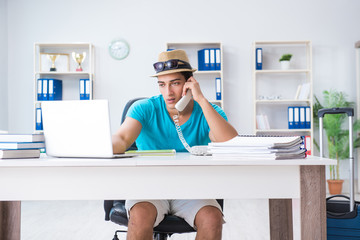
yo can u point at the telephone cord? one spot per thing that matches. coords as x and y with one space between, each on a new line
180 134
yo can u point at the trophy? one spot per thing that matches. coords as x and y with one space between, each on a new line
52 58
79 58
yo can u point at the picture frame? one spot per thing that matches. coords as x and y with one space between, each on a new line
62 62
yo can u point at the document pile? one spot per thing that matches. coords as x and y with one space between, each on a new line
248 147
21 145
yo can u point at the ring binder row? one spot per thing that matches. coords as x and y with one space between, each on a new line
50 89
299 117
84 89
209 59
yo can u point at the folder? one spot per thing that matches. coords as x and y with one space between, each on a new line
307 117
258 58
291 117
308 145
212 58
296 117
38 120
302 117
218 88
204 59
39 89
54 89
45 89
82 89
217 59
87 89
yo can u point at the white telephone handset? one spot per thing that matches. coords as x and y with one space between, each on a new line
184 101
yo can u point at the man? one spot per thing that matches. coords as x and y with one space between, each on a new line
151 123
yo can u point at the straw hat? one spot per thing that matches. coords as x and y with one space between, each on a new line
174 54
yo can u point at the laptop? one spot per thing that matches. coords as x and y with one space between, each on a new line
78 129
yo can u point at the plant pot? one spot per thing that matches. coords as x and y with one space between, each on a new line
335 186
285 65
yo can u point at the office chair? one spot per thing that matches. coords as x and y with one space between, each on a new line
115 209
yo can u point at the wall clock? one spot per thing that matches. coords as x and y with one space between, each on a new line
119 49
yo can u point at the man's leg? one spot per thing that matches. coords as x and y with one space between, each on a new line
209 221
141 221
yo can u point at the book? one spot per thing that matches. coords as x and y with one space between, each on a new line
22 138
22 145
164 152
304 92
24 153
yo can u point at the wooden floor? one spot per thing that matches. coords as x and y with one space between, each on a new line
245 219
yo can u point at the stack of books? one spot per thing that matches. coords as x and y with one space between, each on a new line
21 145
254 147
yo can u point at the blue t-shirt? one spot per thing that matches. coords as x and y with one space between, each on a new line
158 129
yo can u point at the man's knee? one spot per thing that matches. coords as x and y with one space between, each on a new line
209 216
143 213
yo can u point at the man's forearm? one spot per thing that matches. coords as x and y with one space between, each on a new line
221 130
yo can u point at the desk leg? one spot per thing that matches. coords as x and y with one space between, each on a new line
281 222
10 220
313 203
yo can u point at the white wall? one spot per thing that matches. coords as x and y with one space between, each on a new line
148 25
3 66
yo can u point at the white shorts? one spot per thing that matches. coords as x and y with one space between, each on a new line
186 209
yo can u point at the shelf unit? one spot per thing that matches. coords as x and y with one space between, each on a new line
206 79
274 89
66 69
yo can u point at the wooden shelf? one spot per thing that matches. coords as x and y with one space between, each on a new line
283 101
283 71
64 73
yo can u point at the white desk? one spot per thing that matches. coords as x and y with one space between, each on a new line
182 176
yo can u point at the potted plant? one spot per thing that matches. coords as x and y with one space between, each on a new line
337 137
285 61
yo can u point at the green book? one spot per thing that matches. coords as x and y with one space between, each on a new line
163 152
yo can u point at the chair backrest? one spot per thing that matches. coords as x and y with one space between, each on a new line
126 108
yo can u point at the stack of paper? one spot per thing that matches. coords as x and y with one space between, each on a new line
259 148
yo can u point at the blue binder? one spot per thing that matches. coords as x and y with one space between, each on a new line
217 59
258 58
45 89
38 120
218 88
82 89
307 117
39 89
204 59
54 89
291 117
302 117
212 58
296 117
87 89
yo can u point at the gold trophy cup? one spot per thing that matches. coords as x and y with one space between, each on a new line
79 58
52 58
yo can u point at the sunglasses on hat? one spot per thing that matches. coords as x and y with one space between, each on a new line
171 64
